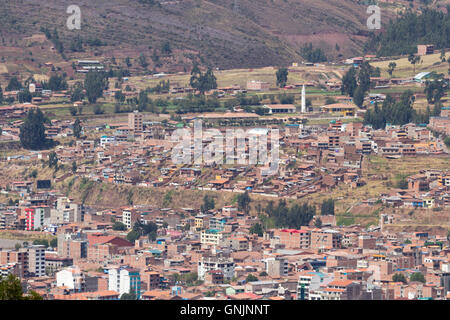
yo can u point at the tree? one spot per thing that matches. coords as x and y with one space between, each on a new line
251 278
349 83
55 83
74 167
202 82
284 217
166 48
396 112
77 92
282 77
94 83
313 55
53 160
143 61
18 246
263 274
243 201
257 229
13 85
391 68
73 111
11 289
327 208
417 276
34 173
128 62
24 96
365 72
442 56
358 96
132 236
119 96
143 101
32 131
318 223
413 59
1 95
434 90
54 243
208 204
77 128
76 45
399 277
119 226
128 296
447 141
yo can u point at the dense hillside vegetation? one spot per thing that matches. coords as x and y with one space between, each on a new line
404 34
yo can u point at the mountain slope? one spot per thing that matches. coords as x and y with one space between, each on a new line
222 33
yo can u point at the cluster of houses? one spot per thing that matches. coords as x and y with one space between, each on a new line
214 255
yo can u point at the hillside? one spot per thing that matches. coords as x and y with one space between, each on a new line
224 34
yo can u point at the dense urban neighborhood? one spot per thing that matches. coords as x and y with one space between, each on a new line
317 180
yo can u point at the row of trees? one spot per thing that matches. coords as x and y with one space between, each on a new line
282 216
293 217
395 112
32 132
140 229
415 277
202 81
313 55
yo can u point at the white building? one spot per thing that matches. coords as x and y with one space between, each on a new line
209 264
72 278
125 280
308 283
104 140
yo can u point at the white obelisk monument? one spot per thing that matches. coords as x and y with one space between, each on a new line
303 100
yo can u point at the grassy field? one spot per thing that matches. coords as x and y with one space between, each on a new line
404 68
3 68
241 76
25 235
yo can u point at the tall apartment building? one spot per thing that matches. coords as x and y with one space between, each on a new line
36 217
129 217
209 264
69 211
325 239
136 121
36 260
293 238
152 279
73 245
125 280
212 236
277 267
